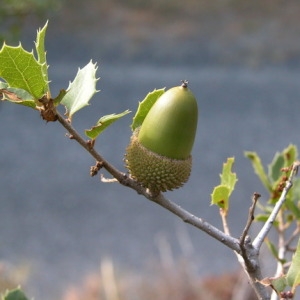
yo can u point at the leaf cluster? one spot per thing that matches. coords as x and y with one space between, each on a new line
26 82
274 181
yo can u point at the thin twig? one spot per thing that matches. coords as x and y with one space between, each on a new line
255 197
223 215
191 219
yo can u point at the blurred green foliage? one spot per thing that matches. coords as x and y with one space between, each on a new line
15 13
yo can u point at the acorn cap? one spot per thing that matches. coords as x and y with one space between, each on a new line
155 171
170 126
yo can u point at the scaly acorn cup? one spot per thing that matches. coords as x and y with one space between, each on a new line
159 153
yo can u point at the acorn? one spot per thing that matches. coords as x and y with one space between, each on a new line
159 153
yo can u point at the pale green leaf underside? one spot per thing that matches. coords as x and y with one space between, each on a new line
81 90
103 123
21 70
144 107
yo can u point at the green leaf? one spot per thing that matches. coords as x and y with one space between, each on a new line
275 167
290 155
59 97
293 274
273 250
41 53
103 123
259 169
279 283
228 178
144 107
220 195
16 294
81 90
21 70
296 190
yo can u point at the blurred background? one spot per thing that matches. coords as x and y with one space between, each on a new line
65 235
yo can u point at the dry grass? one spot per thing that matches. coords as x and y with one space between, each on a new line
162 284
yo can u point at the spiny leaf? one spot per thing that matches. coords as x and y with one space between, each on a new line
259 169
220 195
21 70
144 107
103 123
16 294
81 90
41 53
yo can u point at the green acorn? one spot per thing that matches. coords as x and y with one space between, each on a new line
159 153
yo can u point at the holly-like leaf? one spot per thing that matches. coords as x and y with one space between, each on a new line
16 294
21 70
103 123
221 194
41 53
144 107
81 90
259 169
